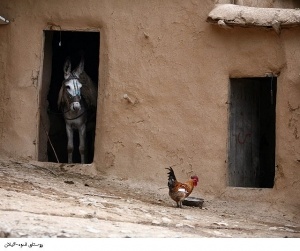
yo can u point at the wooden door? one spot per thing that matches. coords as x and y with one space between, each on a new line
244 129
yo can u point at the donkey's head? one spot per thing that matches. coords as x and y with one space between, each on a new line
71 86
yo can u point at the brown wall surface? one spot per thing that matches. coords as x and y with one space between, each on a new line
175 67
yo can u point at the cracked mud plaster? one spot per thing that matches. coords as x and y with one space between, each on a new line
109 159
293 121
35 78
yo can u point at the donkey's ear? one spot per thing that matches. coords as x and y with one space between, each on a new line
80 68
67 68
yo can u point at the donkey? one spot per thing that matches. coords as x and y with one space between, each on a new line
76 94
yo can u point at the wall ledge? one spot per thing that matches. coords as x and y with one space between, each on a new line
229 15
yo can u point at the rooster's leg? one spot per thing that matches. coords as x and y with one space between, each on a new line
179 204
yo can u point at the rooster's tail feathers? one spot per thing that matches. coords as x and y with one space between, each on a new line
172 177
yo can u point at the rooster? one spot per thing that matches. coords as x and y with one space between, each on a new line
179 191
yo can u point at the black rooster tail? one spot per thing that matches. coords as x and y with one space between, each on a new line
172 177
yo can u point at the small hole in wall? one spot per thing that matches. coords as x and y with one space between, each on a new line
58 45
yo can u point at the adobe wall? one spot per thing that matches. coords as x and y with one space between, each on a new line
175 67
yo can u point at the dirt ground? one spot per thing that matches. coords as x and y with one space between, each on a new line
59 200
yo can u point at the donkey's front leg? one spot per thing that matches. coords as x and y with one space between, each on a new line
82 134
70 143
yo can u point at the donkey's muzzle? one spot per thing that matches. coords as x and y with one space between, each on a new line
75 106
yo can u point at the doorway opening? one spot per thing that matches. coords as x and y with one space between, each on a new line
59 45
252 118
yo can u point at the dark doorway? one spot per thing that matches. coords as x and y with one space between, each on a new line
63 44
252 132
